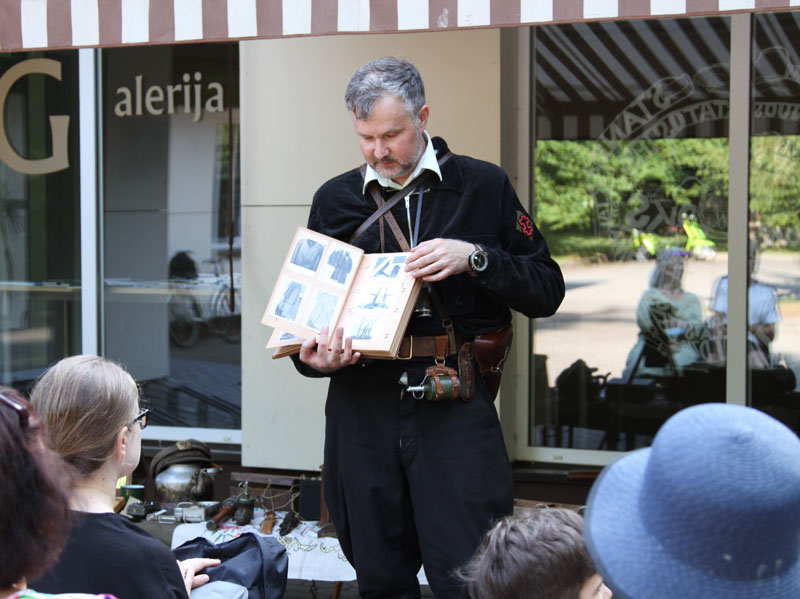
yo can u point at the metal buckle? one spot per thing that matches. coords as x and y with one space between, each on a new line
410 349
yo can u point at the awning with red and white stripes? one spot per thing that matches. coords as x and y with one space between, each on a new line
59 24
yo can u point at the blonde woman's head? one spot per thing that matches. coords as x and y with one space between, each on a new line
85 401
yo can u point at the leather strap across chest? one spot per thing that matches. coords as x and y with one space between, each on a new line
384 210
385 206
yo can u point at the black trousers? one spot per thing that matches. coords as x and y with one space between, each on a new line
410 482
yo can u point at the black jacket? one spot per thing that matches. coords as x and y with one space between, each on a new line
106 553
474 202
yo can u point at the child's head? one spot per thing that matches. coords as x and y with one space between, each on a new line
538 554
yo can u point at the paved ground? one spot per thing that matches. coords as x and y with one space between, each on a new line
303 589
597 321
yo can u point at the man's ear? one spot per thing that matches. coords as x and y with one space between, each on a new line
422 116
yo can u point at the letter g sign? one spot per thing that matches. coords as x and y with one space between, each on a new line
58 124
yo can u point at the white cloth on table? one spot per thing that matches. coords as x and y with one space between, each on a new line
310 557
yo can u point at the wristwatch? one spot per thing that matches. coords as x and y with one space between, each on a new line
478 260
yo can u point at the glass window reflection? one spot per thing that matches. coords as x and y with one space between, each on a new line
773 327
630 188
172 245
40 287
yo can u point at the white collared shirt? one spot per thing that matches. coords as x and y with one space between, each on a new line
428 161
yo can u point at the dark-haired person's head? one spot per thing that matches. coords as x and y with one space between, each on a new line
34 504
537 554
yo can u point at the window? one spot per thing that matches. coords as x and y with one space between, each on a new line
171 243
630 190
39 214
773 326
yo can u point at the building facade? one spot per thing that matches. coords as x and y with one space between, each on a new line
155 163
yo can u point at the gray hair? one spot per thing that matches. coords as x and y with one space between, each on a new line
381 77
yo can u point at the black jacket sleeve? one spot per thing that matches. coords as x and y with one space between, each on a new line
521 274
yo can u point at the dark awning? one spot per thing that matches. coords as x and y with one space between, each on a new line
659 78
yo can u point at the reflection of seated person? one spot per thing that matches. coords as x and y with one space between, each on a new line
762 316
182 266
670 320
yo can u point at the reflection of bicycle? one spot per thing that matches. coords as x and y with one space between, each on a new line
184 319
225 319
204 302
199 299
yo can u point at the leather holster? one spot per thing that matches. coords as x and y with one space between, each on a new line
466 371
491 350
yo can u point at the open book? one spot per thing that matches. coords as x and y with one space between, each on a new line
326 281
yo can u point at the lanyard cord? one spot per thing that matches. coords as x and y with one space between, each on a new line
413 237
408 218
419 216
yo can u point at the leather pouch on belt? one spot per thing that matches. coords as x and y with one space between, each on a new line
491 351
466 371
445 381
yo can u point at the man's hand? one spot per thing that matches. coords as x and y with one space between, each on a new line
327 358
190 568
437 259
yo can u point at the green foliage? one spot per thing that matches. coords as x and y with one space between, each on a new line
585 246
774 181
565 245
571 175
654 181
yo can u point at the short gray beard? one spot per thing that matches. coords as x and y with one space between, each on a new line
405 168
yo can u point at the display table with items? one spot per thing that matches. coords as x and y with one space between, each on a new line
311 557
288 509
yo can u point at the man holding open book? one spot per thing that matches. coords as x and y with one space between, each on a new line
415 464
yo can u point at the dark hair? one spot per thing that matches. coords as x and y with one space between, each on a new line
381 77
34 504
538 554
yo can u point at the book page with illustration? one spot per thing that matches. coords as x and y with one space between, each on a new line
325 281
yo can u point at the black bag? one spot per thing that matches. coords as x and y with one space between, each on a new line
258 563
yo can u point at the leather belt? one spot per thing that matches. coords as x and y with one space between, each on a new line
424 347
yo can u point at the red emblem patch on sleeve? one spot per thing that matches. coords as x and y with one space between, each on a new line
525 225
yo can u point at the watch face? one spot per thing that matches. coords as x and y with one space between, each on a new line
478 260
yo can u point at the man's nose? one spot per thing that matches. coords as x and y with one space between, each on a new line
381 149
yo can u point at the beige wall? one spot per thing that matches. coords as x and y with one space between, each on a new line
296 134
